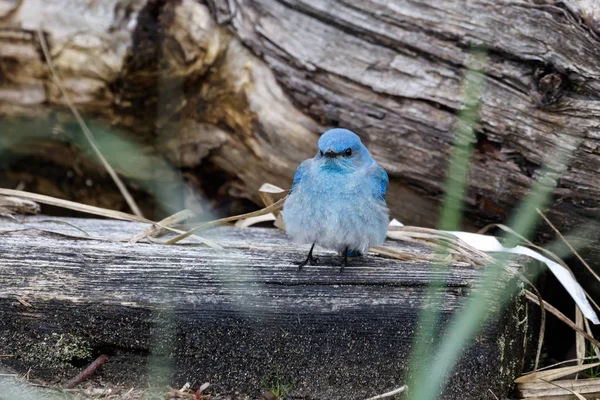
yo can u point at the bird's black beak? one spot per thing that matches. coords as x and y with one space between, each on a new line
330 154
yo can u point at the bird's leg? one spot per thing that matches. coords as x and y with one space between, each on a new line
310 259
345 262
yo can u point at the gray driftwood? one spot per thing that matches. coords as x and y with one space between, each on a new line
242 88
233 317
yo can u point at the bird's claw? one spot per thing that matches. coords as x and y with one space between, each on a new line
309 260
344 262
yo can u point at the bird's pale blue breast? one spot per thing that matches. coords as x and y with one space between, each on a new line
376 175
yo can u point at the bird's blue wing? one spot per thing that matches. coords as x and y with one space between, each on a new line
299 173
381 180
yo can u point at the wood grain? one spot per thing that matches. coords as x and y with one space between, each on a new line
245 87
234 316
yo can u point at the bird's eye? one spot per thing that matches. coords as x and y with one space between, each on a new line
348 152
321 153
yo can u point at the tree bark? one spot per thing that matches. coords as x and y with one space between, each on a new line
232 94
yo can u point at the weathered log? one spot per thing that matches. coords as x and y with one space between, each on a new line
222 96
183 86
236 316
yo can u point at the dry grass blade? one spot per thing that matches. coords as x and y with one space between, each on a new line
88 134
272 208
38 231
548 253
59 222
550 308
157 229
15 205
591 300
579 339
437 237
71 205
589 331
102 212
574 251
559 363
556 373
403 255
580 397
434 238
270 188
564 265
545 251
529 243
267 192
538 352
580 321
246 222
426 231
560 235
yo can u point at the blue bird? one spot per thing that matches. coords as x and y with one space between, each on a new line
337 199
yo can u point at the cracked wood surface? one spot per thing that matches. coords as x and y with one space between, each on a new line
394 73
234 94
232 316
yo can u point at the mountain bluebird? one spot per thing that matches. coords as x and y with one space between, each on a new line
337 199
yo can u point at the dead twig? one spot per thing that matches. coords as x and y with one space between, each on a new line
24 302
493 394
98 362
389 394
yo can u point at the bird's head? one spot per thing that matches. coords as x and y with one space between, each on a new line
342 149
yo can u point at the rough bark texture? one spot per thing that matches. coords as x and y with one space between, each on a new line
229 94
234 317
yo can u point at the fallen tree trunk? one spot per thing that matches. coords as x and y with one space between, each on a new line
235 317
232 94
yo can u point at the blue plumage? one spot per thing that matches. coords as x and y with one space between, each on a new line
337 198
